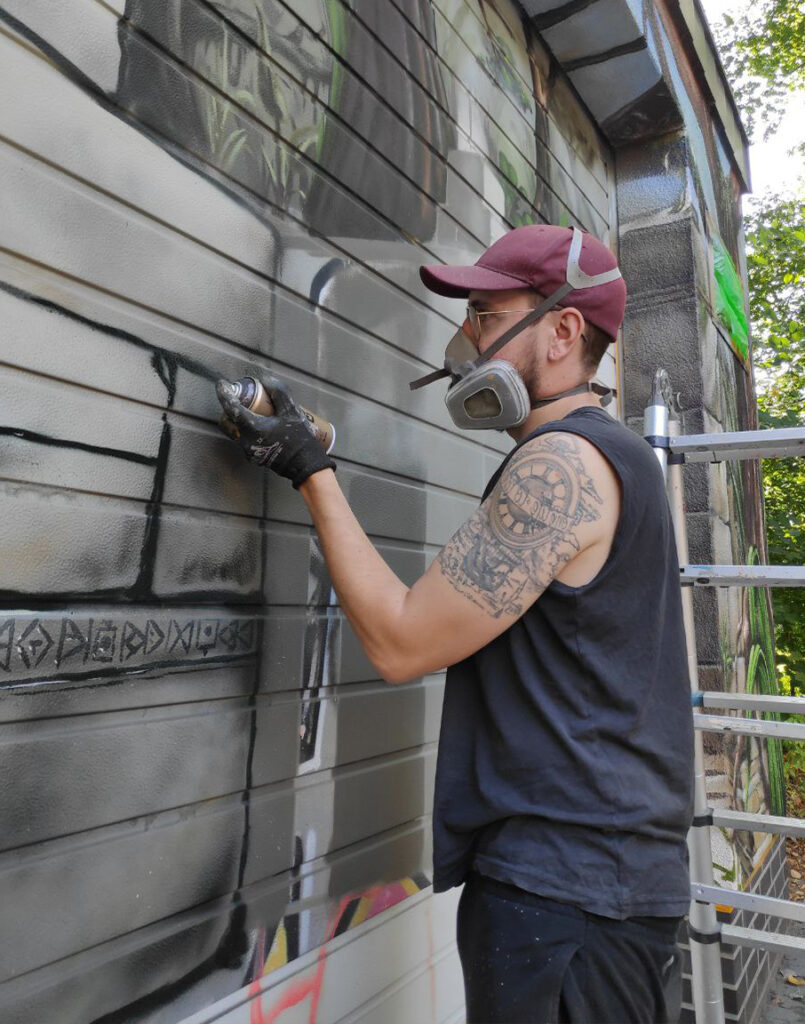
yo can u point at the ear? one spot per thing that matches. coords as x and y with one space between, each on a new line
568 327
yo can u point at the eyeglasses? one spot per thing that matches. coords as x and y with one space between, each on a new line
474 316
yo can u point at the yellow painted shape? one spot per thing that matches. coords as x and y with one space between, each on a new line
278 954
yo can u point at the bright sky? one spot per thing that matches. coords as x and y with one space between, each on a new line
771 167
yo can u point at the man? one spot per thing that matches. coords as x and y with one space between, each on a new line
564 776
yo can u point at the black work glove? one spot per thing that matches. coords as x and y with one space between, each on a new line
285 441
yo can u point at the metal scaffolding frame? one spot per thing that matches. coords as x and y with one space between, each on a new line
661 430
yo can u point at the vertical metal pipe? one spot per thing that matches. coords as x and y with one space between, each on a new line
655 424
708 992
656 416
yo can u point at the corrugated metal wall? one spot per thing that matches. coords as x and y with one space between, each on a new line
201 777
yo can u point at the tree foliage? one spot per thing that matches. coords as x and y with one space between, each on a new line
763 52
776 264
762 47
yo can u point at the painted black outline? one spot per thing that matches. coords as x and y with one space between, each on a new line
94 449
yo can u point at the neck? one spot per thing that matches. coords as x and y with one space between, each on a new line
554 411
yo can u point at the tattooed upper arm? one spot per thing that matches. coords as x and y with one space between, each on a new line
529 527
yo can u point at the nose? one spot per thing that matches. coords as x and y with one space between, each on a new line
468 328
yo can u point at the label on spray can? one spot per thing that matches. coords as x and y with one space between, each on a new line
253 396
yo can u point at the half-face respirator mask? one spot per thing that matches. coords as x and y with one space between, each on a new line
489 394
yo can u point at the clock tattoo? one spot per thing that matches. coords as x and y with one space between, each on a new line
540 499
522 535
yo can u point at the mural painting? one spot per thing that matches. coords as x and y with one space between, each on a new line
216 784
242 184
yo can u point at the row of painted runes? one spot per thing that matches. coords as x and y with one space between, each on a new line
71 642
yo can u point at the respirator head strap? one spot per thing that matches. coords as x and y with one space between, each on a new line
604 393
429 378
527 321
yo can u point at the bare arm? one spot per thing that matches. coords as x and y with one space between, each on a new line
545 511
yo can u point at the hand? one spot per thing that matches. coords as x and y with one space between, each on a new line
285 441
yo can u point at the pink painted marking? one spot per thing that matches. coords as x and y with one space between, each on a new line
301 988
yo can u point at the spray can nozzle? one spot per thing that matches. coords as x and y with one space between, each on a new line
251 394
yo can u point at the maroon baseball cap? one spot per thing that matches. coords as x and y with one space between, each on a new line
539 256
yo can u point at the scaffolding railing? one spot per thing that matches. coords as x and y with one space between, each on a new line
706 933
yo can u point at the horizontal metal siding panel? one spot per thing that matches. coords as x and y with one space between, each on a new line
395 192
197 21
387 80
83 772
374 958
87 547
162 955
92 548
80 32
428 992
107 262
393 206
385 70
131 167
390 176
54 697
387 76
65 437
71 663
129 354
226 755
140 674
95 886
501 101
44 342
463 84
78 892
130 254
192 449
58 542
117 973
247 177
43 338
527 66
551 188
99 642
63 446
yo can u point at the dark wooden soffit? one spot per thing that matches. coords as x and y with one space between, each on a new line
613 53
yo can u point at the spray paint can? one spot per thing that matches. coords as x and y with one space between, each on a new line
253 396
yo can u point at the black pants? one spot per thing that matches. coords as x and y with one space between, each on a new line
530 960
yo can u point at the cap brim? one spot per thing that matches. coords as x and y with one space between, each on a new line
458 282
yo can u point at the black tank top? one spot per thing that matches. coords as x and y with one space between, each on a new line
565 761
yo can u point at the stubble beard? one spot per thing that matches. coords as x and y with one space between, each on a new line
531 375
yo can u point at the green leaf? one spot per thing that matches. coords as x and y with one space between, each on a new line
234 144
